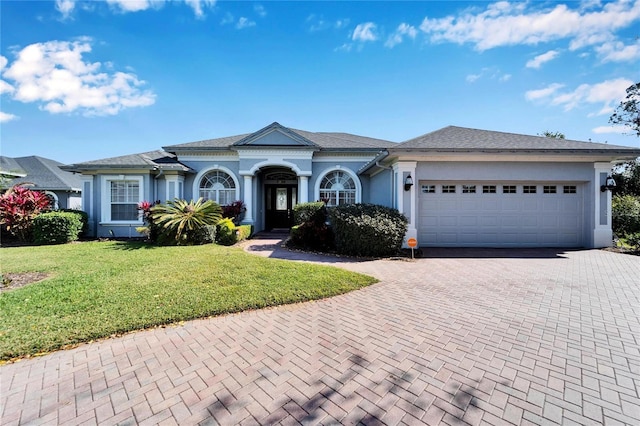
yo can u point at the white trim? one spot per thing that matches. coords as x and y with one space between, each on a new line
275 162
338 168
56 201
177 180
209 157
201 173
105 195
276 154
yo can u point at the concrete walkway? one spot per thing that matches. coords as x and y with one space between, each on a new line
462 336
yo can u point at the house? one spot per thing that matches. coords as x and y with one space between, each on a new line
457 186
45 175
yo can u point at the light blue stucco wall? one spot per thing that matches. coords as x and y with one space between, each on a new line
382 192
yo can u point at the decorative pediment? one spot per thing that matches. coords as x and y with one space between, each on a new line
274 135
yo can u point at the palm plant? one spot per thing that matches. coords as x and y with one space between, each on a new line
180 219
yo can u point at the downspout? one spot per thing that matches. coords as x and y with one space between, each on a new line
155 186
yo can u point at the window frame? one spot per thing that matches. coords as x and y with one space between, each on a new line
201 176
106 197
357 190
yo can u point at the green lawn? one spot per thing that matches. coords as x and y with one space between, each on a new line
98 289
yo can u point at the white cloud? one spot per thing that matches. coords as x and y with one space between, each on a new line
55 75
133 5
244 23
471 78
533 95
492 73
610 129
365 32
196 5
541 59
344 48
403 30
619 52
6 87
4 117
65 7
319 23
260 10
228 19
607 94
504 24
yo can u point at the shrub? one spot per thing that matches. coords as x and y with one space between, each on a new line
56 227
234 211
84 219
367 229
227 233
633 240
311 231
310 212
625 211
181 222
18 207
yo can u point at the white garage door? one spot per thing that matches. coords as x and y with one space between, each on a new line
488 214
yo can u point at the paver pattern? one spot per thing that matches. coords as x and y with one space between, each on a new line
459 337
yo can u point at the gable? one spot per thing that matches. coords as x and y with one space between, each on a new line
275 135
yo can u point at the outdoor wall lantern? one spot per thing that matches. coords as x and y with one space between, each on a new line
609 184
408 182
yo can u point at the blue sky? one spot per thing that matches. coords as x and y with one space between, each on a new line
84 80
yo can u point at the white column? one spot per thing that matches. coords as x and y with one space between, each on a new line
303 189
406 200
602 232
248 198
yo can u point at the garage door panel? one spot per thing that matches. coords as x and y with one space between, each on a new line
501 219
468 221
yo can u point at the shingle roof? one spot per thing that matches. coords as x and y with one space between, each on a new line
323 140
147 160
43 173
454 138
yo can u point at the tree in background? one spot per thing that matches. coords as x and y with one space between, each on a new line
553 135
628 112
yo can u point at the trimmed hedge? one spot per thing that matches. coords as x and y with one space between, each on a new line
367 229
84 218
56 227
227 233
310 212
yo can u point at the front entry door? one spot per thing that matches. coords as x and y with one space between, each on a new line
280 200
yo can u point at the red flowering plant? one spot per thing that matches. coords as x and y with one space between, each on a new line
18 207
150 229
234 211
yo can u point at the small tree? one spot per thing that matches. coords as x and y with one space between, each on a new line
184 221
552 135
628 112
627 178
18 207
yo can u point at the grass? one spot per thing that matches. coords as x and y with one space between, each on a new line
100 289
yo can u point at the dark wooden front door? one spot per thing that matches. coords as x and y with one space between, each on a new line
280 200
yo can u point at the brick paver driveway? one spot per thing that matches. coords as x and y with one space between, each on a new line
464 336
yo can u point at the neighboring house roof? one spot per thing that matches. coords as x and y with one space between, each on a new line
301 138
43 173
454 138
152 160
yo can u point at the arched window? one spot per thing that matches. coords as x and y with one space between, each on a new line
337 188
219 187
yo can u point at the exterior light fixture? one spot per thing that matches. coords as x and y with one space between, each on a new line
609 184
408 182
